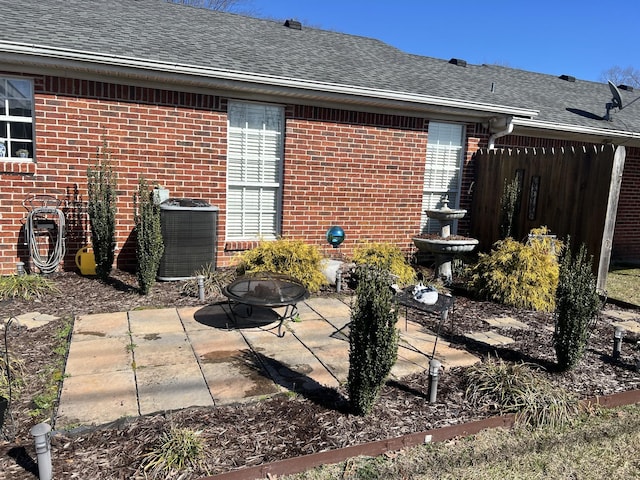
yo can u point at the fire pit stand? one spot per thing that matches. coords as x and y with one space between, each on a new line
268 290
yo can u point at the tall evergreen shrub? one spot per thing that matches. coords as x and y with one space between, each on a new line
101 207
149 246
373 342
577 305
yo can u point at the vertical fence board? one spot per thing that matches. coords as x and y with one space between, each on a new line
577 195
619 156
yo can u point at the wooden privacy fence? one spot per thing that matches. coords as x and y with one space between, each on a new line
571 191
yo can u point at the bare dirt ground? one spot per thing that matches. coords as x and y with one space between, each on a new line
285 425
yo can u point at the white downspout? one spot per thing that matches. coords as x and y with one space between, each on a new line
501 133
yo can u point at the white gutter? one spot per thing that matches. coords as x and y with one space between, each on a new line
39 53
578 129
500 133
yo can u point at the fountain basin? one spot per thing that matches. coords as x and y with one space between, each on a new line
444 214
445 245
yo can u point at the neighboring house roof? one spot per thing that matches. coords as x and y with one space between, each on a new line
162 43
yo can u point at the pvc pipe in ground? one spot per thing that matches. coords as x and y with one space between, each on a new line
40 433
434 372
618 333
201 287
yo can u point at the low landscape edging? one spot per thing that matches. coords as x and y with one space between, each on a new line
290 466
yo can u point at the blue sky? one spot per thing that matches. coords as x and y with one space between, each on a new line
578 38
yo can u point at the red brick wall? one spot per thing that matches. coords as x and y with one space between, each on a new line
361 171
173 139
626 240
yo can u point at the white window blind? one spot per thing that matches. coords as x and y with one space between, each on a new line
443 171
254 170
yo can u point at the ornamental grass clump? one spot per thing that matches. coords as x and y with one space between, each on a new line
295 258
149 246
519 275
385 256
213 281
373 338
502 388
27 287
577 307
180 451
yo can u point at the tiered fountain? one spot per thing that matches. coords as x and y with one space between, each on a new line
445 246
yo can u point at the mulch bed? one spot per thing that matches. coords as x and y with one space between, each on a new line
286 425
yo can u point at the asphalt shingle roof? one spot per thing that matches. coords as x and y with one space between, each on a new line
154 30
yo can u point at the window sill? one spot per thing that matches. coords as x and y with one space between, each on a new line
17 166
240 245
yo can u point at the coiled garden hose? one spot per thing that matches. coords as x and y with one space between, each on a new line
48 263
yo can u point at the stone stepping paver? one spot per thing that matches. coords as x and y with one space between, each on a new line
89 355
96 399
489 338
629 326
171 387
101 325
453 357
506 322
620 315
288 364
151 350
31 320
334 310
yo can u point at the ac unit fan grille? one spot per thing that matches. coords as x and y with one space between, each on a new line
189 240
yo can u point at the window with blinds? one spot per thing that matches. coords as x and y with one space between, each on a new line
16 118
443 171
254 170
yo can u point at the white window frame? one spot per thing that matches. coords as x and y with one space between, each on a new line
443 171
14 91
254 171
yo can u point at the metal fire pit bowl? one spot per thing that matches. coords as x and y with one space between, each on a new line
269 290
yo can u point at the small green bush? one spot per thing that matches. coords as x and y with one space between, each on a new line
27 287
577 306
101 208
149 246
386 256
517 388
517 274
288 257
373 338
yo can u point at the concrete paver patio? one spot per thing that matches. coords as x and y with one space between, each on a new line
145 361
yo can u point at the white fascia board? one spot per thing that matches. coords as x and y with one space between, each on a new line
576 129
116 63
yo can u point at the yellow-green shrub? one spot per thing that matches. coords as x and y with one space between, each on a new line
289 257
385 256
519 275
